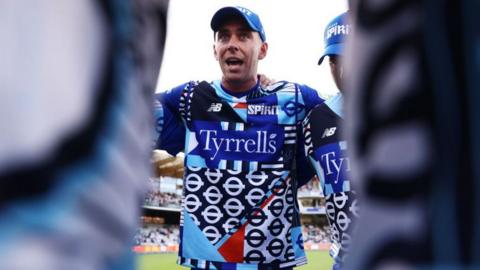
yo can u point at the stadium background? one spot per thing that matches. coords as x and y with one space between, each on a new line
156 240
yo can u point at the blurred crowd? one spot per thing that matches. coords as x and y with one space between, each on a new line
310 189
315 234
163 199
168 235
157 235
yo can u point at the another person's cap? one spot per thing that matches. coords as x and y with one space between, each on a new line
225 13
335 33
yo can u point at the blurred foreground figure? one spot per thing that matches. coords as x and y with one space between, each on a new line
76 111
413 122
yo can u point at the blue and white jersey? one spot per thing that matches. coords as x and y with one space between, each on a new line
324 147
327 153
239 199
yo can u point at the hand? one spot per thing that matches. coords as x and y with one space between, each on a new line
165 164
265 81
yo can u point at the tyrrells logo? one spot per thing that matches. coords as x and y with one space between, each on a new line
220 142
334 164
261 109
217 142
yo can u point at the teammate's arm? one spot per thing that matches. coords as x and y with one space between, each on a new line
170 128
304 171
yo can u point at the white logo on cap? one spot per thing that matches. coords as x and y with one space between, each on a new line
338 29
246 11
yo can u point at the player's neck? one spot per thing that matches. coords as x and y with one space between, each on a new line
239 86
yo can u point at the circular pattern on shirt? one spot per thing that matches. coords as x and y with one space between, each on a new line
230 224
354 209
213 175
192 203
340 199
194 169
193 182
255 238
212 195
335 233
289 198
291 108
330 210
256 178
275 247
289 213
234 207
289 254
212 234
255 196
257 217
343 221
212 214
276 227
299 241
233 186
255 257
235 172
276 207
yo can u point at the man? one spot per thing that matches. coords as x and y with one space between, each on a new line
327 150
241 156
76 115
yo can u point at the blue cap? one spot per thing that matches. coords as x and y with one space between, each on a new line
249 16
335 33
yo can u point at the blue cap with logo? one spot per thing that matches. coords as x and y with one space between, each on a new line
249 16
335 34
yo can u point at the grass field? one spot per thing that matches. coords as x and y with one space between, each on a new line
317 260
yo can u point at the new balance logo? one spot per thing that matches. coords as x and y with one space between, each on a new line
215 107
329 132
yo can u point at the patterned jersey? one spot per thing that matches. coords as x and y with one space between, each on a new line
239 199
327 154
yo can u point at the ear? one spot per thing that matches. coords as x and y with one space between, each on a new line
263 51
215 52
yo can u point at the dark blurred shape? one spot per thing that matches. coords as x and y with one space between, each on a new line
77 105
414 127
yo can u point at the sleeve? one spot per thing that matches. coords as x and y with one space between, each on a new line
168 123
310 97
304 170
308 148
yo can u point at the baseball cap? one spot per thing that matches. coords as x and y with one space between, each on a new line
249 16
334 36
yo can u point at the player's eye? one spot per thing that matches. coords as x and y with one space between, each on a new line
222 37
243 36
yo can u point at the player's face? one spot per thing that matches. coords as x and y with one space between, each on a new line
238 49
336 68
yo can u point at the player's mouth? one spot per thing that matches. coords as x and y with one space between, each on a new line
233 61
